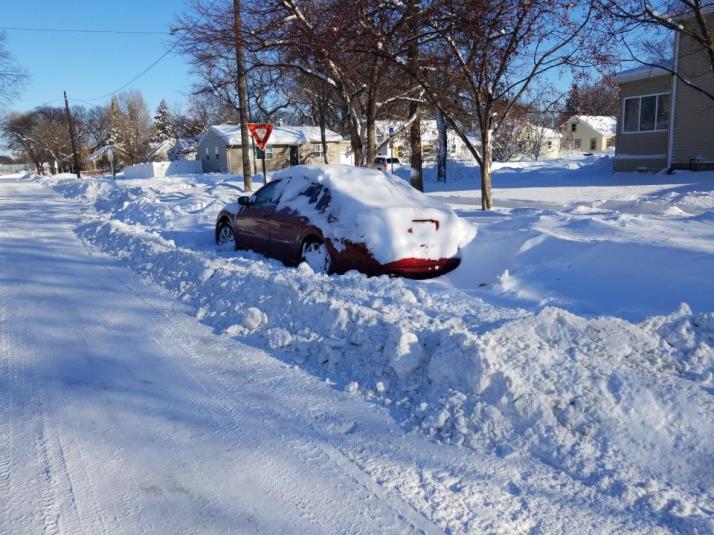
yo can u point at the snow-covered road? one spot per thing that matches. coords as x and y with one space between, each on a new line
129 407
118 414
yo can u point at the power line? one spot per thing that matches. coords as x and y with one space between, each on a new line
127 84
77 30
204 13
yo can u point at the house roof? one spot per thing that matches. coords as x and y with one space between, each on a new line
602 124
548 133
642 72
179 146
281 135
98 153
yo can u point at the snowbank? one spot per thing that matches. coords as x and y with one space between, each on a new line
393 219
160 169
622 406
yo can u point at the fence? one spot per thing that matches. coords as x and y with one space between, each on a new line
160 169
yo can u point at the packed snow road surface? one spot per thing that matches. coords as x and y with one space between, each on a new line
451 405
119 414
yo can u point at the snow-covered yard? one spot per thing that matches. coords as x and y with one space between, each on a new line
569 359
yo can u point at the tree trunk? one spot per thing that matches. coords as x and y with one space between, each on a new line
417 178
487 160
242 99
443 141
356 141
323 138
371 139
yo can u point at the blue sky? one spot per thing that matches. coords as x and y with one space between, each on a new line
90 65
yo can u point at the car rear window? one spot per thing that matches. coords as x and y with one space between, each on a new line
318 195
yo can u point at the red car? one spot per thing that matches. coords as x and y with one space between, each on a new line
303 230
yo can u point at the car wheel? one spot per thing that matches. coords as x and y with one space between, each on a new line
316 255
225 237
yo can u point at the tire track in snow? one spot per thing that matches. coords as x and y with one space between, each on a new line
390 510
6 439
379 503
47 480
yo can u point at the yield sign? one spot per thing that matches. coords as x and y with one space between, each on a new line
261 133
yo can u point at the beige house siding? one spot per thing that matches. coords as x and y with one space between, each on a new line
694 112
281 157
641 150
212 163
229 159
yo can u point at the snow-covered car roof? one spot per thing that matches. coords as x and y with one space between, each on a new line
394 220
281 135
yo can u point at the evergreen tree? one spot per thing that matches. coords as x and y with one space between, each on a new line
117 124
573 103
163 123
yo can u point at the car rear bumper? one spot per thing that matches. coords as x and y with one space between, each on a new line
420 268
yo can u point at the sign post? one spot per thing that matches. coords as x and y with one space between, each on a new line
391 147
261 134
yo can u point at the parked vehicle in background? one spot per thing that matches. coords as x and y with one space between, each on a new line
384 163
338 218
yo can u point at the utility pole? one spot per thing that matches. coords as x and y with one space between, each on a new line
70 125
242 98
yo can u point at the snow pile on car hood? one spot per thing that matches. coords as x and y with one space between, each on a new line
391 218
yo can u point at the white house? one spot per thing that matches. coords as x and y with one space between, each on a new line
589 133
456 148
172 150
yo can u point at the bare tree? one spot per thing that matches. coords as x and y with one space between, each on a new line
41 136
12 76
690 20
489 53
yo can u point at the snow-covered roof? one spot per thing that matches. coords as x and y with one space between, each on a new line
640 73
602 124
281 135
101 151
178 146
548 133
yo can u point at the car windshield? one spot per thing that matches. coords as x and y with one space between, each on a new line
266 194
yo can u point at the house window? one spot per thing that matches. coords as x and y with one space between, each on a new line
573 127
611 142
317 149
647 113
268 152
208 156
549 145
217 153
578 143
593 143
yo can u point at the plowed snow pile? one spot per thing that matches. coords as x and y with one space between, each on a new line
625 407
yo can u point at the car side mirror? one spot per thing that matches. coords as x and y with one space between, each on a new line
244 201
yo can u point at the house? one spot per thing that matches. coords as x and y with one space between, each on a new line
664 122
220 148
589 133
172 150
456 148
546 140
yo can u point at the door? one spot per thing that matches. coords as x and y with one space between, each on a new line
294 156
253 222
286 226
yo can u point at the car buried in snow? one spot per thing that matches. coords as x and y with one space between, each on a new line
340 218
